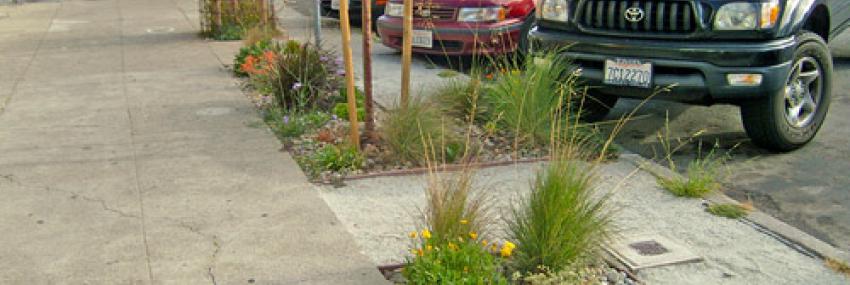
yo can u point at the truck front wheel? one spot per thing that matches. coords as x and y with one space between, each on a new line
790 118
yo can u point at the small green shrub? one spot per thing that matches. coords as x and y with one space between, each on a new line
531 102
298 76
255 50
292 125
407 131
702 178
732 211
338 158
341 107
462 261
560 223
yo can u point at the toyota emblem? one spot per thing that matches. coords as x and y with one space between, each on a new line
634 14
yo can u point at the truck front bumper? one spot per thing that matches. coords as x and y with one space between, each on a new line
697 70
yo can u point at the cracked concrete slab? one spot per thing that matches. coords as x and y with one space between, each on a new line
129 157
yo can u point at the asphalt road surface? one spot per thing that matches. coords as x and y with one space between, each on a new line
808 188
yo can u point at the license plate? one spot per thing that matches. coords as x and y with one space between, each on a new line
423 38
628 72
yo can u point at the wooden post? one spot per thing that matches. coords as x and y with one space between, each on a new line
406 52
367 66
218 15
345 26
263 14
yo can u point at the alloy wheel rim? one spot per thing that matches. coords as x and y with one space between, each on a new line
802 92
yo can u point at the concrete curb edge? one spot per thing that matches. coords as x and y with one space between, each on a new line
785 233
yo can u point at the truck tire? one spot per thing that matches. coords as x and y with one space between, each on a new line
596 106
790 118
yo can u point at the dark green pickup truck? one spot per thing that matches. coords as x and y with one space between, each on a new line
770 57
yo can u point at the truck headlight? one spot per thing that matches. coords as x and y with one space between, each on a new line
741 16
554 10
394 9
482 14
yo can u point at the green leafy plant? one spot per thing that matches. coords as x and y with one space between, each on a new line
406 132
466 260
338 158
731 211
560 223
341 107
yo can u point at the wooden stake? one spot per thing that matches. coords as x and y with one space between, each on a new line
218 15
345 26
406 52
367 66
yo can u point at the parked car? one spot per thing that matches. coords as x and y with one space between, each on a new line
770 57
330 8
461 27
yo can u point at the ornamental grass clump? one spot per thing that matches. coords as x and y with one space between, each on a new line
405 129
528 99
453 247
561 223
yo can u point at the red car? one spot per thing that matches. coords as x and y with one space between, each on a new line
461 27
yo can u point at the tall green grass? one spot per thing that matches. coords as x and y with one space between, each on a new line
530 98
561 223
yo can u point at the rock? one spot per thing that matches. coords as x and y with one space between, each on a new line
614 277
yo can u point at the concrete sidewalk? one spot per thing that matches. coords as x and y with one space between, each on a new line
127 156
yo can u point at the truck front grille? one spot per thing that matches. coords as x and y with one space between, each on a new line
660 17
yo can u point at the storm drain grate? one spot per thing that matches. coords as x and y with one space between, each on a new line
638 252
649 247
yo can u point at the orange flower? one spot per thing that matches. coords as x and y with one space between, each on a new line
248 66
269 56
489 76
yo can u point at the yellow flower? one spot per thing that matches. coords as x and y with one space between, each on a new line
460 239
484 242
473 235
426 234
419 252
463 222
453 246
412 234
507 249
429 248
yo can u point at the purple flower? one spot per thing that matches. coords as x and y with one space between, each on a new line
340 72
296 86
338 60
285 120
324 58
334 117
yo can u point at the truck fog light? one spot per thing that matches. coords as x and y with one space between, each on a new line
744 79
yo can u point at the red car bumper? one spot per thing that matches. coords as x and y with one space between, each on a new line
456 38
